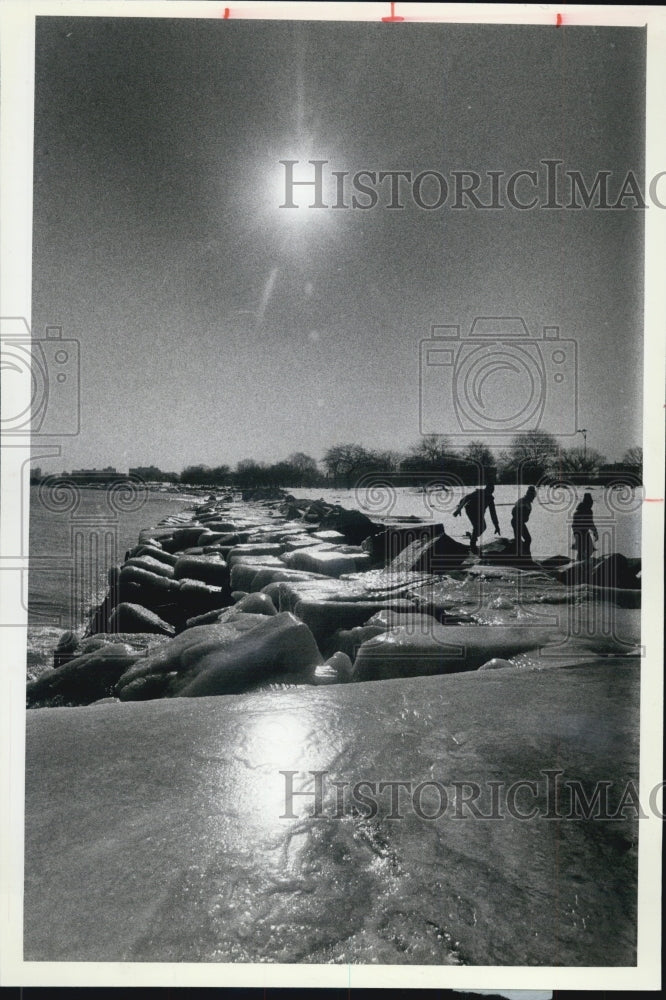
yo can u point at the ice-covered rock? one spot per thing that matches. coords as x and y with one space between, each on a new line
497 663
337 669
387 544
231 656
349 641
168 558
151 564
209 569
240 553
353 524
443 649
134 618
616 571
255 604
325 617
328 561
84 679
432 555
243 572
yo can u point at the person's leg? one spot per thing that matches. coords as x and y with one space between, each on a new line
527 541
474 536
517 525
477 531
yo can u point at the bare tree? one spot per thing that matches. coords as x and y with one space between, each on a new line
387 461
633 456
578 460
478 451
303 469
250 473
302 462
431 449
346 462
530 455
479 455
196 475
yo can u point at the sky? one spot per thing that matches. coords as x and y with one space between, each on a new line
214 326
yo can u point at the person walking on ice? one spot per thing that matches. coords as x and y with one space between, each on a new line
520 515
584 529
475 505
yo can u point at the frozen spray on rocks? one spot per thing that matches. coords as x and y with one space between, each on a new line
259 589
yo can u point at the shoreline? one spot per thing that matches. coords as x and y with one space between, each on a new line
349 597
56 601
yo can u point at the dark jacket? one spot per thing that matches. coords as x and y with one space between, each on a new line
476 504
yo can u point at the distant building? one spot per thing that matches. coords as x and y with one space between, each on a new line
108 474
107 470
611 474
620 473
151 474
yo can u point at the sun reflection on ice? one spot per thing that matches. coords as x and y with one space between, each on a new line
276 742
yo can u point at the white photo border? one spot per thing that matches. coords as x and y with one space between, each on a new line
16 136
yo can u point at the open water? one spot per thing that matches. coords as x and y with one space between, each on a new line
76 535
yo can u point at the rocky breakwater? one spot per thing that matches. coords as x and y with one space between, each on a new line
159 827
255 590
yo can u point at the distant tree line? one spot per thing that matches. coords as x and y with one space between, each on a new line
532 457
297 470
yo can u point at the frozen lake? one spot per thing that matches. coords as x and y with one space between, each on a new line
616 511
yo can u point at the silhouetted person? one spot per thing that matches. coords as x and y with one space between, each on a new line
475 505
520 515
584 529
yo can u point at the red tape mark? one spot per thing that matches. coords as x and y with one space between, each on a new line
393 16
653 499
559 20
227 13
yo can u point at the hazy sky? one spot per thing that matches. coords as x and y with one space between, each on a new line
215 326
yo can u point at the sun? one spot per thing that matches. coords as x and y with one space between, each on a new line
302 190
